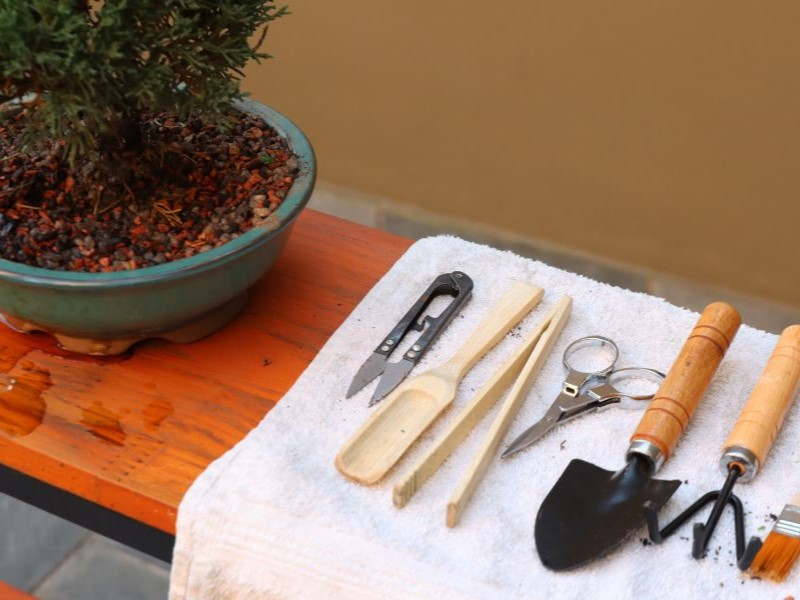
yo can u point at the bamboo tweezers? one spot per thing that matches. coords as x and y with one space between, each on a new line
518 371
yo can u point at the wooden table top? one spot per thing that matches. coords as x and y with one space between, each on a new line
131 433
9 593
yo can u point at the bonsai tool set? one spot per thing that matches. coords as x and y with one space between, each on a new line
589 510
414 405
745 451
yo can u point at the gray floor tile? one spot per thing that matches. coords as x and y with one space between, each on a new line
32 542
100 570
140 555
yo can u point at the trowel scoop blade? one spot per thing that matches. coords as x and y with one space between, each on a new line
590 510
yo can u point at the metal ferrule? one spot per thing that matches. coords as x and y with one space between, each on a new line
789 521
742 457
648 450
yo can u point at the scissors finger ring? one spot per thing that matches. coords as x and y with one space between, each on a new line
576 378
653 377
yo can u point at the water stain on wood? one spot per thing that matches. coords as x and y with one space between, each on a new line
155 413
104 424
22 407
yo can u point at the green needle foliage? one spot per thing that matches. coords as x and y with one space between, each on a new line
89 69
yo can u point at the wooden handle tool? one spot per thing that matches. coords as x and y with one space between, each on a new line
749 442
675 401
415 404
762 416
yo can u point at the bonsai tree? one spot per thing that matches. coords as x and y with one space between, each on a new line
92 68
118 135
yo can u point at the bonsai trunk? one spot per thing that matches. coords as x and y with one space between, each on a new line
128 133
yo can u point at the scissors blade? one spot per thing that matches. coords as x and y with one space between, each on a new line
533 433
372 367
392 376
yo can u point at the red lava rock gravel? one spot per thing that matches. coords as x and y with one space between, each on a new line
199 186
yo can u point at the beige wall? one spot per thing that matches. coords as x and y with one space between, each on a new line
663 134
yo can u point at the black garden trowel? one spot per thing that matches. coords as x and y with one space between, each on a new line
591 510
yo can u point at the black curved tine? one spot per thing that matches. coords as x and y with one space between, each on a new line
702 532
651 517
753 546
658 536
738 523
744 554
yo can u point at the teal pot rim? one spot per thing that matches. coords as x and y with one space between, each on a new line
287 211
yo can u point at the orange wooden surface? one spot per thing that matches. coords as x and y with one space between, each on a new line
131 433
9 593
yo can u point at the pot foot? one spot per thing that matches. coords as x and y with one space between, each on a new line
185 333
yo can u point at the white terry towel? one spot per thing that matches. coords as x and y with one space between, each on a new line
273 518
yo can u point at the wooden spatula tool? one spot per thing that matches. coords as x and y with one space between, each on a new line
389 432
518 374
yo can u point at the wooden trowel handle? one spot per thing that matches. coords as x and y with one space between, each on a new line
762 416
674 403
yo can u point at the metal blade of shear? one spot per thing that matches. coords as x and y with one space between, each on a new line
532 434
372 367
393 374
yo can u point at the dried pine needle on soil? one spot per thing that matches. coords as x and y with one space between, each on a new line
195 187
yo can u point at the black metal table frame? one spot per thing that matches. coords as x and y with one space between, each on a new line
87 514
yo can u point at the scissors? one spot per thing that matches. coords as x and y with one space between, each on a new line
586 391
456 284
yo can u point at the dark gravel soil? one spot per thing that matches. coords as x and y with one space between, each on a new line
194 188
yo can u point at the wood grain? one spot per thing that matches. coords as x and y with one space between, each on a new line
763 414
674 403
131 433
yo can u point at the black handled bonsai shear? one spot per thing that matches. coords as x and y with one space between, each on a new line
456 284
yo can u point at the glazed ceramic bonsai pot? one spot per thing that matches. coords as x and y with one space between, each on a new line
184 300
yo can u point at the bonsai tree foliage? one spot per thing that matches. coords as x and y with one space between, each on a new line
119 147
89 69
